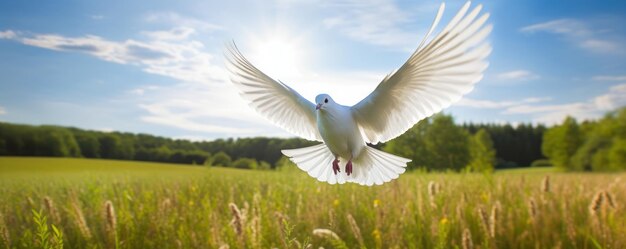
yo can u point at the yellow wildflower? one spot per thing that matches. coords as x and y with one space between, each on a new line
376 203
443 221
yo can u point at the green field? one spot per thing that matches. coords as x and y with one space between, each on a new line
109 204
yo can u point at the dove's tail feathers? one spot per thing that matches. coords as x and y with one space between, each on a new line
317 161
371 167
376 167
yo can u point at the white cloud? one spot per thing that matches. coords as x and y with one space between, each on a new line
140 91
379 22
176 34
2 110
518 75
590 109
206 109
181 59
173 18
581 33
560 26
609 78
488 104
7 34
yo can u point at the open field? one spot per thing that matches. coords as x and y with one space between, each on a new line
108 204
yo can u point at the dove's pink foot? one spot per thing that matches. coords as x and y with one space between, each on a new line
349 167
336 166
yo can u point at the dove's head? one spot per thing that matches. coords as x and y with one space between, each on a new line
323 100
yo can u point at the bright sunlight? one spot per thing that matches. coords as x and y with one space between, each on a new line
278 56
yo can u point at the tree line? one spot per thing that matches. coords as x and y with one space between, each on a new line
588 146
435 143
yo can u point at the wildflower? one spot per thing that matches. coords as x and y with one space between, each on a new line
443 221
376 203
336 202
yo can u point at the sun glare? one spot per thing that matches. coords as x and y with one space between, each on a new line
280 58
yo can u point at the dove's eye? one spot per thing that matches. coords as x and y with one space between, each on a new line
325 100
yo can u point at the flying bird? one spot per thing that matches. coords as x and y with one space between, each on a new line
436 75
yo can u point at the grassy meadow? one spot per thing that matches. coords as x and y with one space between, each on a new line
79 203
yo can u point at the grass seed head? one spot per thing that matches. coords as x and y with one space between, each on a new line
325 233
466 242
545 184
111 219
483 219
609 199
4 232
532 208
596 203
493 219
432 189
52 210
80 221
237 221
356 230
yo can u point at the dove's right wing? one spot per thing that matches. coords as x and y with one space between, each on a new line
438 74
276 101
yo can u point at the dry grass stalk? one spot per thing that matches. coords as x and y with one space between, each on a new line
466 242
325 233
52 210
609 199
432 191
255 227
110 218
532 209
545 184
432 188
596 203
4 232
493 219
237 221
483 219
80 221
356 230
164 207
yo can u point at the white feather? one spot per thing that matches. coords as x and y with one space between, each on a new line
433 78
276 101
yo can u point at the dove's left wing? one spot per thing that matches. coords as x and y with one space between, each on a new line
276 101
435 76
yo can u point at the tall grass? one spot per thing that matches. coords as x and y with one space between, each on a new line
109 204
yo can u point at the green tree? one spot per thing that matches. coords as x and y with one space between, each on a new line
447 144
412 145
561 142
221 159
482 153
245 163
435 144
89 144
617 155
109 145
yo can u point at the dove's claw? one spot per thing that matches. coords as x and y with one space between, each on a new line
336 166
349 167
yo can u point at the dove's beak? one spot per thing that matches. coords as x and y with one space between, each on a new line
319 106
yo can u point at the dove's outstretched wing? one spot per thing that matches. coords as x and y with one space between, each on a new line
438 74
276 101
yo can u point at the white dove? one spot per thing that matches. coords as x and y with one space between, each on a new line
436 75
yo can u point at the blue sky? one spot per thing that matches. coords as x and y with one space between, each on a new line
157 66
